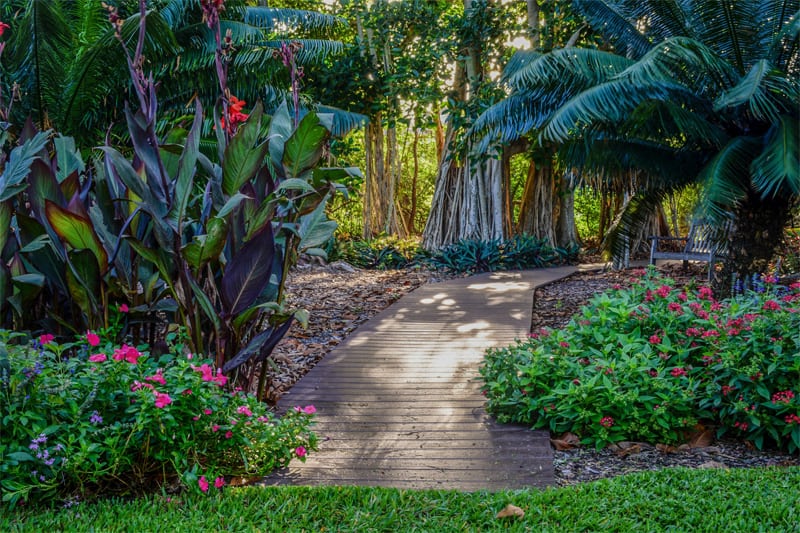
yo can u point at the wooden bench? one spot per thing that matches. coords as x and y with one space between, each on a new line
699 245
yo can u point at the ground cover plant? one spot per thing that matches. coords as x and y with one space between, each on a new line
657 363
520 251
758 499
114 419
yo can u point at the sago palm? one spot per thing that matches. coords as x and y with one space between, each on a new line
693 91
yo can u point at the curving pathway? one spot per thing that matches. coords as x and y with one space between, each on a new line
398 402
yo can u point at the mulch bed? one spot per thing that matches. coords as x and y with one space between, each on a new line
340 297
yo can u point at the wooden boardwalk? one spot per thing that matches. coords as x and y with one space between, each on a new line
398 403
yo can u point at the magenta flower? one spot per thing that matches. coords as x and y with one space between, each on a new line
93 339
123 308
244 410
664 291
3 27
678 372
300 451
207 411
47 338
229 434
655 339
157 378
309 409
214 428
162 400
219 482
97 358
771 305
203 483
127 353
606 421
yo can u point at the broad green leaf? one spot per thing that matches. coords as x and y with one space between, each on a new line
19 163
294 184
155 258
30 279
280 129
206 305
187 166
304 147
315 228
207 247
77 231
5 225
68 159
84 281
778 166
243 158
232 203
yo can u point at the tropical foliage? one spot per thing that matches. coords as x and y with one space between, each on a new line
177 238
692 92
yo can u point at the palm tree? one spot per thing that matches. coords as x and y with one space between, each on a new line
73 74
693 91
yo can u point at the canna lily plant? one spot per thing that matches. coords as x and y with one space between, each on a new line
173 234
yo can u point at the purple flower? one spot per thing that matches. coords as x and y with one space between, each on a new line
96 418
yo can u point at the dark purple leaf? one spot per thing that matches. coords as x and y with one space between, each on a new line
247 273
260 346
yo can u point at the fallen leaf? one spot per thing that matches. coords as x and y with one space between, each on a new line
666 448
567 441
633 449
510 510
701 439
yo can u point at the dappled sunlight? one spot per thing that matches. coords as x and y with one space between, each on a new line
472 326
500 286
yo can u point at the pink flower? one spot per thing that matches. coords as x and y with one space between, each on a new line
705 293
3 27
771 305
92 339
655 339
606 421
127 353
220 379
675 307
214 428
207 411
300 451
47 338
229 434
678 372
139 385
219 482
98 358
157 378
664 291
564 344
123 308
162 400
244 410
203 483
309 409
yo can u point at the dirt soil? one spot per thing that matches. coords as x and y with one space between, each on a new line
339 297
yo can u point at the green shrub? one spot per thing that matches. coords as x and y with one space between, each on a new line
119 419
650 362
518 252
383 253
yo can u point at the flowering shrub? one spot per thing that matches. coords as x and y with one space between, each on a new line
117 418
651 362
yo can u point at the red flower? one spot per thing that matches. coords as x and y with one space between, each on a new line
47 338
92 338
678 372
771 305
782 396
3 27
655 339
606 421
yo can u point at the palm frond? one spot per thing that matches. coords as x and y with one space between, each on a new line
177 12
726 177
567 66
686 61
784 48
766 91
41 45
609 102
343 121
772 17
518 61
777 169
728 27
636 213
675 124
280 20
612 19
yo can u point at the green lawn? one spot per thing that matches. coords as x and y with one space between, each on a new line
758 499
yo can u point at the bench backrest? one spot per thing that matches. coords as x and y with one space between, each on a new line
703 237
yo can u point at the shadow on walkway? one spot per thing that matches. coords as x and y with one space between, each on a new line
399 404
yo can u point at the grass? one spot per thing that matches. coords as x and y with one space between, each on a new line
757 499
